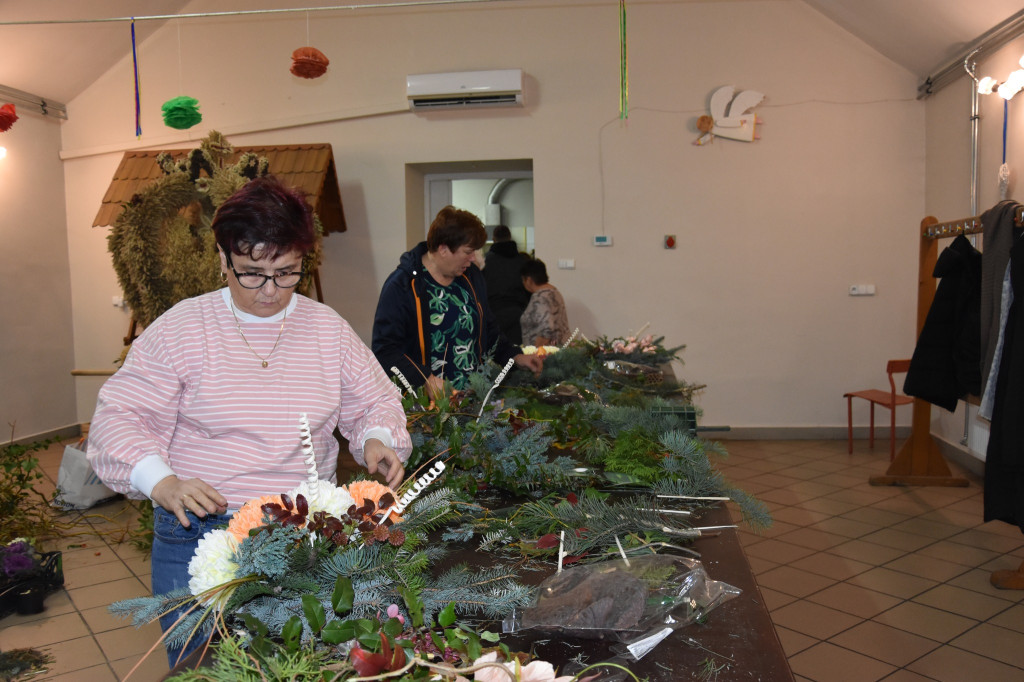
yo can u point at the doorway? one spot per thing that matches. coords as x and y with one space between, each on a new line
497 192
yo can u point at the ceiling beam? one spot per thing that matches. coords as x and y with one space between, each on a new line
981 47
35 103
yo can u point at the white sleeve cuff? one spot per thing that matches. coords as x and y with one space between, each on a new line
147 473
382 434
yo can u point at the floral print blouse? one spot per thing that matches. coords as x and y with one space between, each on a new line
545 316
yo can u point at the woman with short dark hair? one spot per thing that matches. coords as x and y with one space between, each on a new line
544 322
204 414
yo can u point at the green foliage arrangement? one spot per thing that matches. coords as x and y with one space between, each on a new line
24 510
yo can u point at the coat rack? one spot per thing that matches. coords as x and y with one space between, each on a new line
919 462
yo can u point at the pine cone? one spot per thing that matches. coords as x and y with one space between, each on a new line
380 533
397 537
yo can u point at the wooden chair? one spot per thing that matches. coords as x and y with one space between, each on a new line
887 399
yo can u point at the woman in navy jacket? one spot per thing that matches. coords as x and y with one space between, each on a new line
432 321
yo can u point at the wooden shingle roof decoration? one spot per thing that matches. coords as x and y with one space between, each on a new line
309 167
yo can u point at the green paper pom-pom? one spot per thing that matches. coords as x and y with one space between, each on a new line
181 112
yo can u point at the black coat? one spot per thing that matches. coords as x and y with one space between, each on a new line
946 365
1004 459
505 292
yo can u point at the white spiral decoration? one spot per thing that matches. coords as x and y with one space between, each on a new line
418 487
306 436
405 382
571 338
497 382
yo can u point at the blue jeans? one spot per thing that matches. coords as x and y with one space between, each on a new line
173 548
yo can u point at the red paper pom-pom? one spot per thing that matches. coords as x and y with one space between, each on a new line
7 117
309 62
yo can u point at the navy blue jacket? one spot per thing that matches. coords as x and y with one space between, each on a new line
401 324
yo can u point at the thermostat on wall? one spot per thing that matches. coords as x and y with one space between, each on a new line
602 240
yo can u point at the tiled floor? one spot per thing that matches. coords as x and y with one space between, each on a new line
878 583
862 583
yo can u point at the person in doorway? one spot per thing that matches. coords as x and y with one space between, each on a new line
204 414
505 292
433 322
544 322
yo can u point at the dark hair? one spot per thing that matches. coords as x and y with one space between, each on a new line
502 233
267 215
455 228
535 270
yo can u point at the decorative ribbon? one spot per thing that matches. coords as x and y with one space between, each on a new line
1006 110
135 66
623 64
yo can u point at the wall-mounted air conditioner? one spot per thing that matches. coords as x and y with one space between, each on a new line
433 91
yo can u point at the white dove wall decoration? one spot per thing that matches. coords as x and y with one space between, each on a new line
730 117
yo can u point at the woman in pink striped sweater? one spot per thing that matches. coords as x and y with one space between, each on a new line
204 413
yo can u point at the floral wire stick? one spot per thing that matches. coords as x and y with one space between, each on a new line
561 551
621 551
418 487
501 377
310 458
405 382
571 338
690 497
684 512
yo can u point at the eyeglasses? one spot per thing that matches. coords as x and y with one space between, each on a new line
256 280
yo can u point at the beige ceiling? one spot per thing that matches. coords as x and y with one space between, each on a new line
58 61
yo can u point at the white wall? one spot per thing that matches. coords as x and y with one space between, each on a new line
36 344
771 234
948 191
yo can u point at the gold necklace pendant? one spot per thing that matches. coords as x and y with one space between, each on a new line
264 360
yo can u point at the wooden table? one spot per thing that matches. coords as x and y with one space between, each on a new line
739 632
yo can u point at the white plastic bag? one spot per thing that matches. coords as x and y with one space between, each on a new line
78 486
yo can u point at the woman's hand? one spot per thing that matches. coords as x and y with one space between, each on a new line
193 494
435 387
534 363
381 458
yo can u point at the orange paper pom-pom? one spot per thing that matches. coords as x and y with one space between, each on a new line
309 62
7 117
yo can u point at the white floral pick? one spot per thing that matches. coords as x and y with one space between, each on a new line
312 476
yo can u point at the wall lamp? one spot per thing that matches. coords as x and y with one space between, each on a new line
1013 84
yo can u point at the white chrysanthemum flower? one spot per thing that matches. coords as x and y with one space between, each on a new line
327 498
213 563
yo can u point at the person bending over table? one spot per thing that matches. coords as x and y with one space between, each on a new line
433 321
204 414
544 322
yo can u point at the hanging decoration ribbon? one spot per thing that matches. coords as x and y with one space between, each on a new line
1004 170
135 66
623 64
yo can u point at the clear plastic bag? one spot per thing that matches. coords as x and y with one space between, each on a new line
635 604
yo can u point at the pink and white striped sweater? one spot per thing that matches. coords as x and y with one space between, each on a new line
192 394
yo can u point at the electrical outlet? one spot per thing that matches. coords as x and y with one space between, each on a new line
862 290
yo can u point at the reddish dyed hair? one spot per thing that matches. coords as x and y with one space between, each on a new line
265 216
455 228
